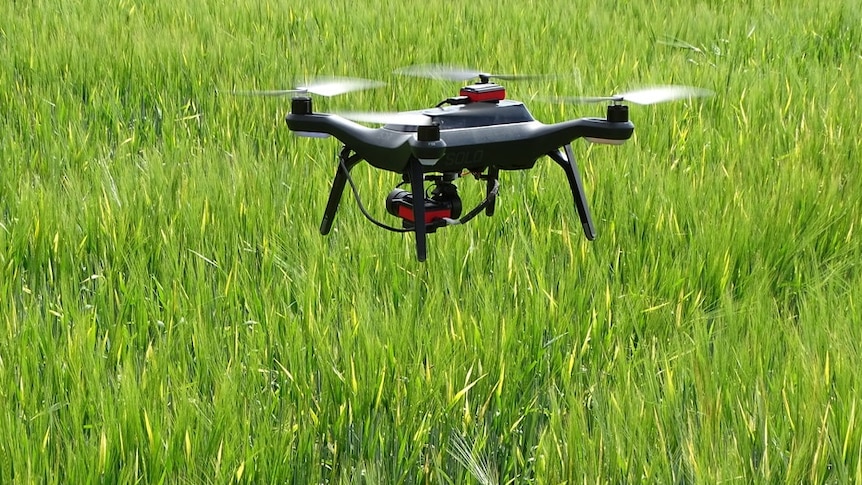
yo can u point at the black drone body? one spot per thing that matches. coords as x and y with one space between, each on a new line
479 132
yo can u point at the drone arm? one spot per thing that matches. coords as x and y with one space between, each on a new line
382 148
347 131
560 134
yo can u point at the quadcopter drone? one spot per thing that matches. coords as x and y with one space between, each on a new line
480 132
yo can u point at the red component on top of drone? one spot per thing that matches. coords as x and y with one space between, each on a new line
484 92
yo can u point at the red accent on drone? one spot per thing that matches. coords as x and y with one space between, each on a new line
406 212
484 92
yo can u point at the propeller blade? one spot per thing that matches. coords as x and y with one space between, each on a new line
334 85
644 96
329 86
406 118
437 71
269 93
579 99
663 94
456 73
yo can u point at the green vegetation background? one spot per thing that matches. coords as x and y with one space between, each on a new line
169 312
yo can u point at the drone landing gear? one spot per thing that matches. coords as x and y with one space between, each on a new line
491 189
566 159
346 162
418 189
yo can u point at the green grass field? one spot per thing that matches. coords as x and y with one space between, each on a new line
170 313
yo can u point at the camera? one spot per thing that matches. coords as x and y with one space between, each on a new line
443 203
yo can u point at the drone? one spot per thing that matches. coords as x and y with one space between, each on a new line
479 133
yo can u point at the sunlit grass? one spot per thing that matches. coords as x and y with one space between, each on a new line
170 311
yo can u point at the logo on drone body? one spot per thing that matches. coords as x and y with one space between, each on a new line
465 157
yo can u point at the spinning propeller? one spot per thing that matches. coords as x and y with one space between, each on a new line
440 72
405 118
328 86
456 73
644 96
